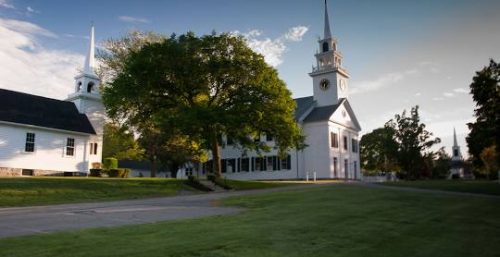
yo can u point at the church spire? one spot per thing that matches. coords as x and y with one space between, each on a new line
328 33
89 65
455 138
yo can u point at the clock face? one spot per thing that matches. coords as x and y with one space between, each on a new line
324 84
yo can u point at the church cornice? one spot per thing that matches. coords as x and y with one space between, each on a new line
317 71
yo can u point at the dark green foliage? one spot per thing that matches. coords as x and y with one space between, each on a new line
413 143
441 165
118 173
485 131
119 143
379 150
95 172
110 163
204 87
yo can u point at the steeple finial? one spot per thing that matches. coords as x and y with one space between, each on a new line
89 66
455 137
328 33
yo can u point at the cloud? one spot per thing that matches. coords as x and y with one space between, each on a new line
461 90
437 99
418 94
131 19
383 81
448 94
272 49
6 4
27 66
295 34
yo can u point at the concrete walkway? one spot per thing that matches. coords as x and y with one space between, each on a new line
44 219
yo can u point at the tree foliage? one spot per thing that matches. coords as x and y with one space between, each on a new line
485 131
119 143
379 150
413 141
205 87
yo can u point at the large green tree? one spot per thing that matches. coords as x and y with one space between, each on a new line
379 150
119 143
205 87
414 141
485 131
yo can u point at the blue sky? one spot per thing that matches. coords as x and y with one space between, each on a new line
399 53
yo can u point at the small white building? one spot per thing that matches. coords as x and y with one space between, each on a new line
327 120
43 136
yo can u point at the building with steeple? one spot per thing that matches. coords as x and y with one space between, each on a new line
457 161
43 136
327 120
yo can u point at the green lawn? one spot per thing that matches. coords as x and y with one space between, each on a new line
338 220
50 190
466 186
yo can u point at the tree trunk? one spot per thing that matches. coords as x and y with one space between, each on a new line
153 167
216 157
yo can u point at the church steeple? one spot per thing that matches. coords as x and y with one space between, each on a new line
329 76
328 33
89 65
455 144
456 154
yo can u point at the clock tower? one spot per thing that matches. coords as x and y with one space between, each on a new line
329 77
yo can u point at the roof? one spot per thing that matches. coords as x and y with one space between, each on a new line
322 113
303 105
40 111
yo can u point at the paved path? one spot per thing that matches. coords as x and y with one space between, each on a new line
44 219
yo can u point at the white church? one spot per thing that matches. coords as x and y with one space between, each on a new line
327 120
43 136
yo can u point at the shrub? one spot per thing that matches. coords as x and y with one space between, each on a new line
95 172
118 173
110 163
211 177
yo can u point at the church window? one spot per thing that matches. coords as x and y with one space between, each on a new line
345 143
334 140
286 164
269 138
90 87
354 145
245 164
93 148
70 146
30 143
455 152
325 47
79 86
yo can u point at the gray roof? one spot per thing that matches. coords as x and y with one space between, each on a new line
40 111
303 104
322 113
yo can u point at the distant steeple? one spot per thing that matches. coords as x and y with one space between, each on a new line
328 33
89 65
455 144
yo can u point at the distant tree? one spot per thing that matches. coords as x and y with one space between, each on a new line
119 143
208 87
485 131
441 164
414 141
379 150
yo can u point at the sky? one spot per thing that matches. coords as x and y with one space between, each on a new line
399 53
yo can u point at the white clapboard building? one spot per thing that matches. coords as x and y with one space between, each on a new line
328 122
43 136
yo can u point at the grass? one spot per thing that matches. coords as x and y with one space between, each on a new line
54 190
50 190
464 186
339 220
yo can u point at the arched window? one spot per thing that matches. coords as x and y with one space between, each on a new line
90 87
325 47
79 86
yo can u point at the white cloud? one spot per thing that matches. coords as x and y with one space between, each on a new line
295 34
418 94
133 19
272 49
437 99
461 90
27 66
448 94
383 81
6 4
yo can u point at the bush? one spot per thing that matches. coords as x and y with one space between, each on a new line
118 173
95 172
211 177
110 163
